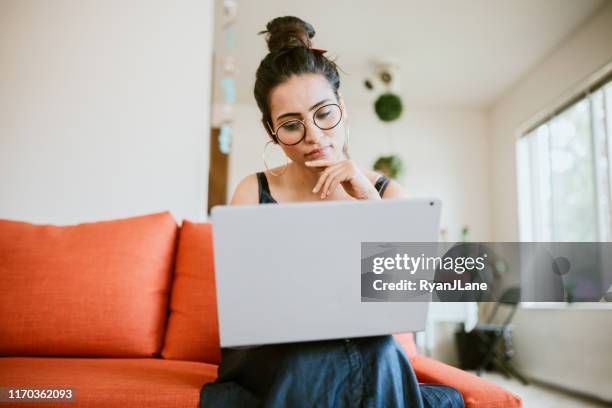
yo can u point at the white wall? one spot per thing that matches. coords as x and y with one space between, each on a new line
104 108
568 348
579 56
445 152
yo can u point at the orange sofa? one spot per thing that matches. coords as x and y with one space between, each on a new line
124 313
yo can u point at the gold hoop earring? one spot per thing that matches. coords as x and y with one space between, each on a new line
266 163
347 134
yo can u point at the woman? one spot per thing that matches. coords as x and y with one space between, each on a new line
296 89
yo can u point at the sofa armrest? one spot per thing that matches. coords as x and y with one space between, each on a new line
477 393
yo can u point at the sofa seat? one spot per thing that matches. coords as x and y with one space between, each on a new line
68 321
477 393
120 382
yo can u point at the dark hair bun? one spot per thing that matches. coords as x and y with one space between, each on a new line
288 32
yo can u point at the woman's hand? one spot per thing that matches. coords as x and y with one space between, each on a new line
343 172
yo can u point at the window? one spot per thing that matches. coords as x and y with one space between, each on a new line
564 172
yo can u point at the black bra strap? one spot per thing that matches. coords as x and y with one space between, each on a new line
263 183
265 196
381 184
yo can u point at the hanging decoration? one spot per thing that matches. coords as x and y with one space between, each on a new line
388 105
388 108
391 166
225 138
228 80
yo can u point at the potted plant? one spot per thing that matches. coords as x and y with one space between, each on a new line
391 166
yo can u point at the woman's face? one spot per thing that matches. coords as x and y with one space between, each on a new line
299 98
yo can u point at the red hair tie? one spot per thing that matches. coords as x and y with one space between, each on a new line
318 50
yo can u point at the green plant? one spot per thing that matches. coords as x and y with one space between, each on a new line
465 232
391 166
388 107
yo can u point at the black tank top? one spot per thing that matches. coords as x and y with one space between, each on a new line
265 197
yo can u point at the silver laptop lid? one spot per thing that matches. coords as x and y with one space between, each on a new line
291 272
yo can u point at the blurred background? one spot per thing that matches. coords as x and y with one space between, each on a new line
502 109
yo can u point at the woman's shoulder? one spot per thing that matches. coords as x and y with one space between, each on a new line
372 175
247 191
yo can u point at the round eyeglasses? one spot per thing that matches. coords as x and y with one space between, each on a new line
293 131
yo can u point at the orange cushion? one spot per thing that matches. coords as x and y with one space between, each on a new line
134 383
94 289
406 340
193 332
477 393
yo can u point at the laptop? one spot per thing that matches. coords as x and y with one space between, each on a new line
292 272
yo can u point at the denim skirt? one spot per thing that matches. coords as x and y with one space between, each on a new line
359 372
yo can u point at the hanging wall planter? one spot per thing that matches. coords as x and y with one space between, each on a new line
391 166
388 107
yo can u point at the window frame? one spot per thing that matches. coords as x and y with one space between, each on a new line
528 192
